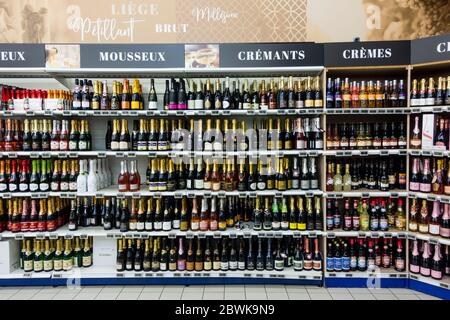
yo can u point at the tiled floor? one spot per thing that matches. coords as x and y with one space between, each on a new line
210 292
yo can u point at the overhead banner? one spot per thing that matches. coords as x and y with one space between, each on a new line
219 21
432 49
132 56
376 53
258 55
22 56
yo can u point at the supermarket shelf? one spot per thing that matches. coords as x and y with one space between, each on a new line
110 273
154 154
428 237
366 194
430 109
429 153
369 111
389 273
366 234
362 153
429 196
112 191
162 113
116 234
443 283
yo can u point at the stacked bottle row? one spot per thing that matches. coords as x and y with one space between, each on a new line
379 214
365 94
164 135
224 254
209 95
169 174
429 260
25 175
45 135
198 213
429 175
33 215
425 93
351 254
350 136
55 255
11 94
374 173
437 223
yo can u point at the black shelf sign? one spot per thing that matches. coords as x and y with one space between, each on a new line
257 55
432 49
132 56
22 55
361 54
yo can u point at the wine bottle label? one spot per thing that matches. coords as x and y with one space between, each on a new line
153 145
317 265
309 103
157 225
429 101
374 224
43 187
194 225
213 225
308 264
48 265
38 266
12 187
425 271
246 105
384 224
167 225
149 226
414 186
114 145
152 105
444 232
425 187
216 265
198 184
241 265
28 265
58 265
434 229
198 104
233 265
67 264
279 264
73 145
87 261
122 187
207 185
362 262
123 145
163 266
64 186
134 187
132 225
224 265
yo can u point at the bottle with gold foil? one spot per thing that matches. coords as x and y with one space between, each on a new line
136 98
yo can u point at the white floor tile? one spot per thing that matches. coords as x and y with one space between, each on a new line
318 291
360 290
5 296
170 296
44 296
320 296
197 295
66 296
384 296
277 296
213 295
407 297
300 291
299 296
22 296
427 297
232 288
402 291
132 289
149 296
255 296
128 295
214 288
107 290
278 289
237 295
342 296
107 296
50 290
153 289
86 296
363 296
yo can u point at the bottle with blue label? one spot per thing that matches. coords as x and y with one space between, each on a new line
345 258
337 258
330 258
362 256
